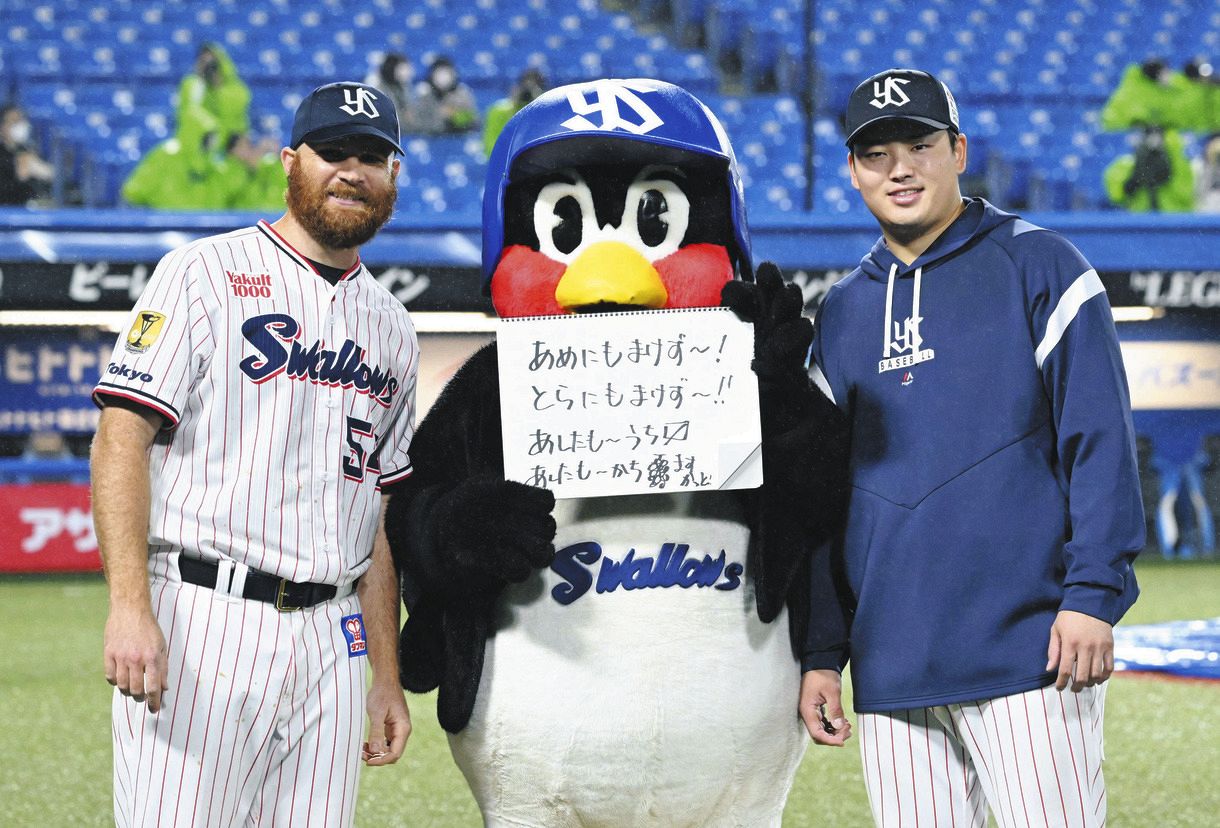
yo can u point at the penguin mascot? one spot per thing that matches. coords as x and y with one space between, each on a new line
671 705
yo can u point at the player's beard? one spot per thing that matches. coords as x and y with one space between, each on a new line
337 227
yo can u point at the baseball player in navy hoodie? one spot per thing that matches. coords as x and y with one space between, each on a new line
995 508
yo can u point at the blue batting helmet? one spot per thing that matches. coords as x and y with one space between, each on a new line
640 110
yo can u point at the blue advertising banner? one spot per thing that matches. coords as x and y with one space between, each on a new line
47 376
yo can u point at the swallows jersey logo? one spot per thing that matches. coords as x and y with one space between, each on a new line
609 101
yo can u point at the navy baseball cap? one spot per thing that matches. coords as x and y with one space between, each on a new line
338 110
888 98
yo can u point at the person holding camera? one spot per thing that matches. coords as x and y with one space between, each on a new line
1156 177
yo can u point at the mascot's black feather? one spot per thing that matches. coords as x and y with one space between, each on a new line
459 532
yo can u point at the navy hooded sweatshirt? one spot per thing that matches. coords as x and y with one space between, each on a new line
993 464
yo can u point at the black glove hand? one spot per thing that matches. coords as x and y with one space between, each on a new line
491 528
781 334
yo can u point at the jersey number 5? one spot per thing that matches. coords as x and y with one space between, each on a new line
359 459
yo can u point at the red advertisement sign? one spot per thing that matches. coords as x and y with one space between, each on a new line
47 527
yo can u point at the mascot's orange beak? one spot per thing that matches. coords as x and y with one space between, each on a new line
610 272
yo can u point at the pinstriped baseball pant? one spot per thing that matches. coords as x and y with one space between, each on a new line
261 724
1031 758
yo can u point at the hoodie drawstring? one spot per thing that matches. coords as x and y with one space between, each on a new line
890 335
889 311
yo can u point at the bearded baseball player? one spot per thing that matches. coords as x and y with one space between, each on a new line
995 508
252 415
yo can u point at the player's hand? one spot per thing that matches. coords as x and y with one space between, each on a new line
135 655
821 707
1081 650
497 528
389 724
782 334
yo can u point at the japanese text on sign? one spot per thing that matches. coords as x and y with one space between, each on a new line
629 403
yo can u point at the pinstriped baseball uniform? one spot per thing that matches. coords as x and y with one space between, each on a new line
1035 757
287 402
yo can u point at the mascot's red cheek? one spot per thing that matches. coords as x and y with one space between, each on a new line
694 275
524 283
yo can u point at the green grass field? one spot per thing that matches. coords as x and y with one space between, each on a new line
1162 736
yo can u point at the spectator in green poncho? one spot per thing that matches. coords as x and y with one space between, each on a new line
530 84
1141 97
213 96
178 174
1157 177
1197 94
252 177
1151 93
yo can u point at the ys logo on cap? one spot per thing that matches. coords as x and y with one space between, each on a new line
889 93
359 101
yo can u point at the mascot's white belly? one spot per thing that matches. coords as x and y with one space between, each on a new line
633 688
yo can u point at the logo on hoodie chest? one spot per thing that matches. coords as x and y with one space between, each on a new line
903 342
903 339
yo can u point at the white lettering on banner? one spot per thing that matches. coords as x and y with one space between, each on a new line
630 403
813 288
49 522
404 283
60 419
18 365
1172 375
47 364
88 281
1178 288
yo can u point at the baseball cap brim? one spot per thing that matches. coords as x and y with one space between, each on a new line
895 126
333 133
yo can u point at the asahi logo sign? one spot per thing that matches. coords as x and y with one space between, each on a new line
1177 288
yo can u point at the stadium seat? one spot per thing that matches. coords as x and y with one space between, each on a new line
1024 71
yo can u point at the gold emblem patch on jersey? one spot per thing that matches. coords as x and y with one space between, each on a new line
144 331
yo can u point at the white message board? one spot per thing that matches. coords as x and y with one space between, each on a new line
630 403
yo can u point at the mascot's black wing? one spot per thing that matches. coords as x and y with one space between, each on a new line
459 533
803 499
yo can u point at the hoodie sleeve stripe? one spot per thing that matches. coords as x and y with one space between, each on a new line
1086 286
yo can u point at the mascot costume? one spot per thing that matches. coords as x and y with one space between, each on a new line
674 704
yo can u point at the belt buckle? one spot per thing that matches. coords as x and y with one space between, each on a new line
279 598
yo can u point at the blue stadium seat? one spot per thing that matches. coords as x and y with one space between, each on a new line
1024 72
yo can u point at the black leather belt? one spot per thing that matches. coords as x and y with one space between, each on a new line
287 596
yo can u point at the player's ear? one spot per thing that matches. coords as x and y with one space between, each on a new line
395 168
959 152
288 157
851 167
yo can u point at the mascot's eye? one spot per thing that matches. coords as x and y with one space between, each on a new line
564 218
657 213
567 230
650 218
